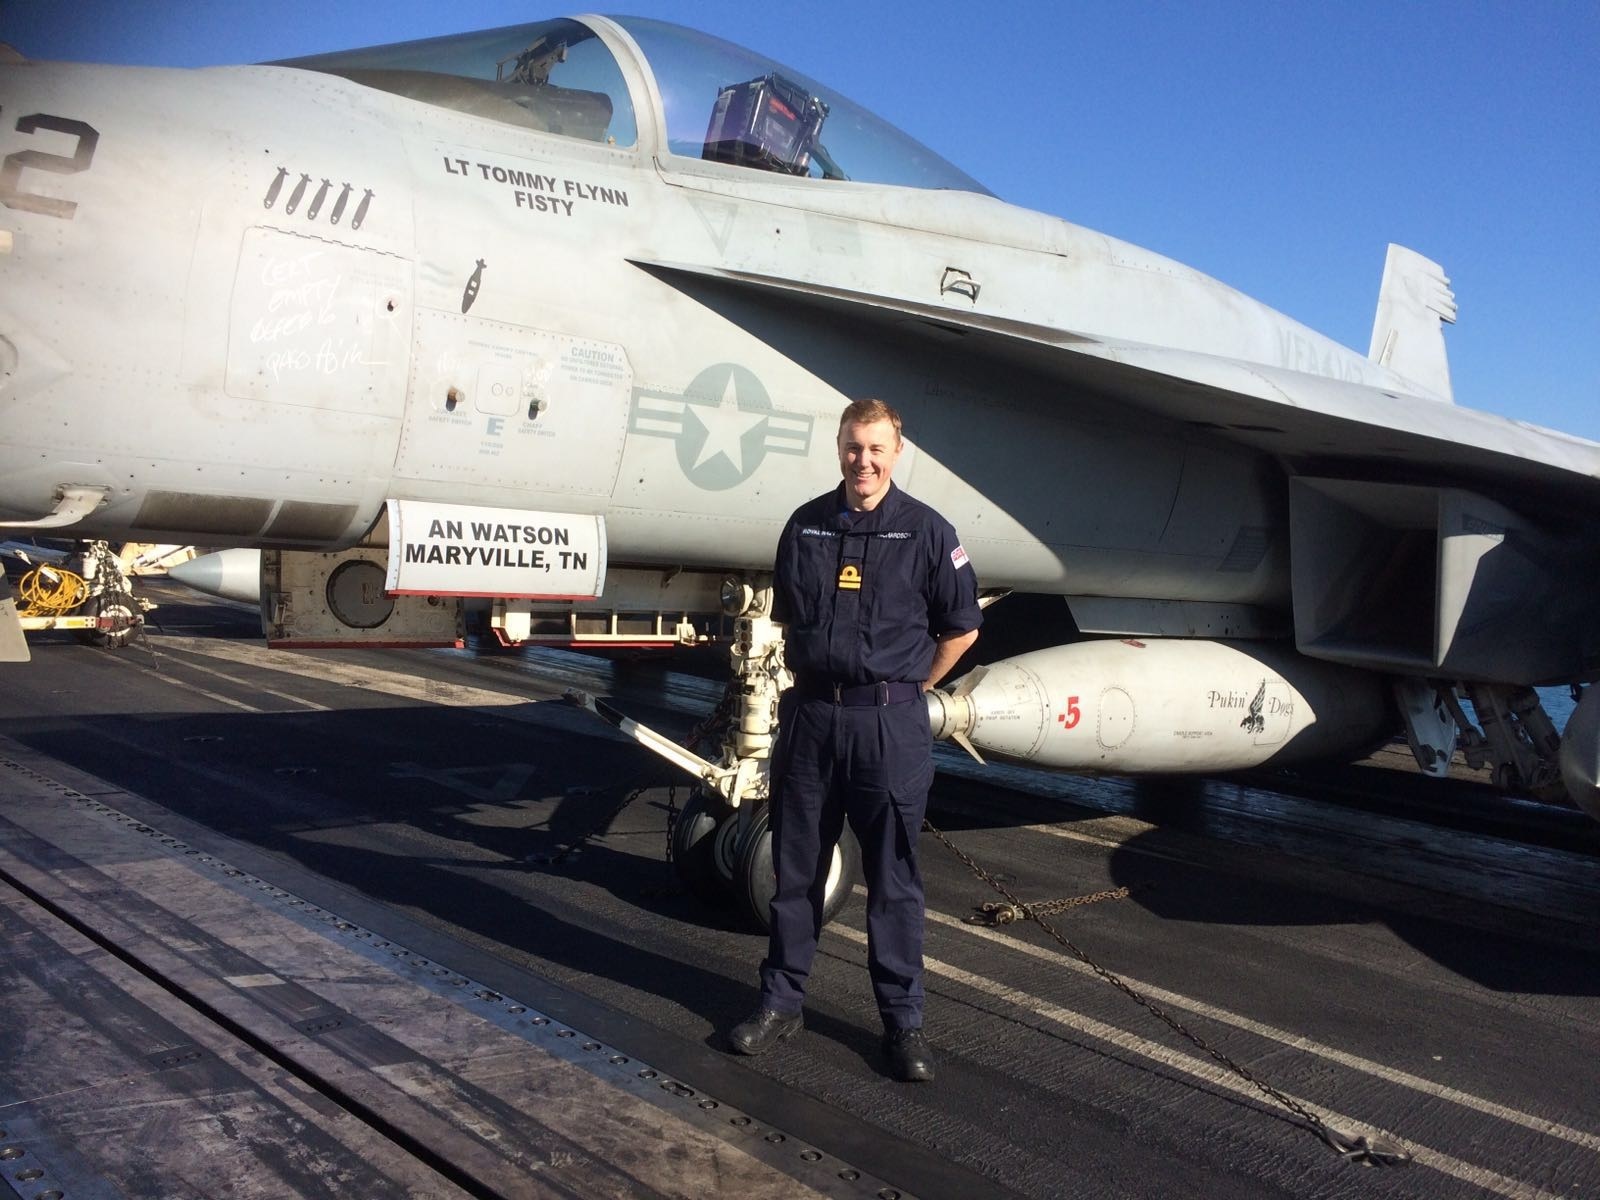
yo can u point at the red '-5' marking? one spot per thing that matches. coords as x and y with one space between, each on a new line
1070 718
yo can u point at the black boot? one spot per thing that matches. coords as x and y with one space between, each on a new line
910 1055
763 1031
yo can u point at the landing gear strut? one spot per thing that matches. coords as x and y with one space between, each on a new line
1514 737
722 842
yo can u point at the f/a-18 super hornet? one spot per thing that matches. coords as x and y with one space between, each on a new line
561 317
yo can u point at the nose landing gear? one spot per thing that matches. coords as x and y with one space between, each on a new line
85 591
721 843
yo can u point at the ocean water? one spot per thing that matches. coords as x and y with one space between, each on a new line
1558 703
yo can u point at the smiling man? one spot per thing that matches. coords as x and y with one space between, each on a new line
879 601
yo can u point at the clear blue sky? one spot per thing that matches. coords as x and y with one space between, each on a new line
1278 145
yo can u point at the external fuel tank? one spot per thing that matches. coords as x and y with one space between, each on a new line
1154 706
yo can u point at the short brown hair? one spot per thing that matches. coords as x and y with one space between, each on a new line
865 412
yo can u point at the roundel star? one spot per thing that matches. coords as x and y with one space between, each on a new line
733 430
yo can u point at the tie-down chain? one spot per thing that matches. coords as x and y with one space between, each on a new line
1358 1148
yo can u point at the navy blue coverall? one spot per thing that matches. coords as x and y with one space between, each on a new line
862 595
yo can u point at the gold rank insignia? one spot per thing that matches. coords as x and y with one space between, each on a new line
850 578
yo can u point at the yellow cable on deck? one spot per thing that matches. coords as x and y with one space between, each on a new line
48 591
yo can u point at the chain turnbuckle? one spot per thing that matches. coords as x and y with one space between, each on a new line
996 912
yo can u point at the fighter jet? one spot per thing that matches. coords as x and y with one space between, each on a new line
561 316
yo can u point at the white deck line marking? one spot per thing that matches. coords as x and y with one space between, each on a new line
1428 1087
1116 840
1094 839
310 705
372 679
186 686
1211 1073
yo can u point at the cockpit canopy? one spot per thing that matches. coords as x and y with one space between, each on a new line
553 76
721 103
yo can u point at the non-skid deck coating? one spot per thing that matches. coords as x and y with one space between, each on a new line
178 1028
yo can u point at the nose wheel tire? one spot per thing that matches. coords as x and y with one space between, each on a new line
755 880
704 840
118 620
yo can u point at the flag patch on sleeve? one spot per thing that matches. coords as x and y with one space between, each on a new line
959 557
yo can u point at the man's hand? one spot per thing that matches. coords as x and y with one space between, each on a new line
950 648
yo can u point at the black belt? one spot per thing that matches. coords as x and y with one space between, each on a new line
863 695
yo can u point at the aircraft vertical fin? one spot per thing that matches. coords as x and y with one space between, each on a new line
1414 301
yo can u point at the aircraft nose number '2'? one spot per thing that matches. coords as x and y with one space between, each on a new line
13 192
724 425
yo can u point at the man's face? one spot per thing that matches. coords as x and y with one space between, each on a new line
868 451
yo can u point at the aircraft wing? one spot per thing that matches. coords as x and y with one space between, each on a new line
1320 423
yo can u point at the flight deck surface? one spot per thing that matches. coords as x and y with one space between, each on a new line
269 916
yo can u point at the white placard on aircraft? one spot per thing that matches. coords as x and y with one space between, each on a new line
470 550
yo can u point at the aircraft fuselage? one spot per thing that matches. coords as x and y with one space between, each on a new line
250 305
264 300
